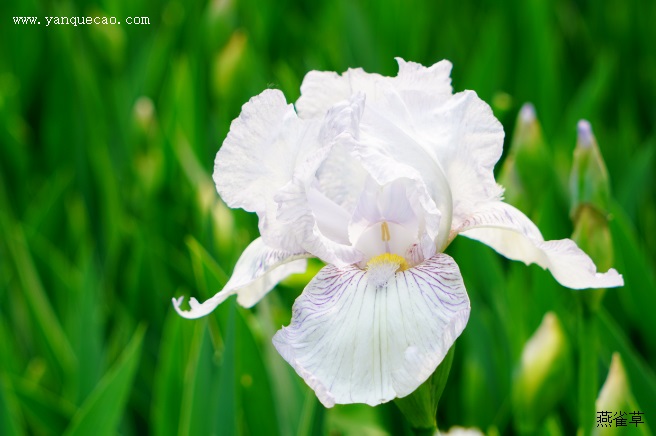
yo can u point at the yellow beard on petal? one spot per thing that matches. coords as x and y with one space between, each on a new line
381 268
388 259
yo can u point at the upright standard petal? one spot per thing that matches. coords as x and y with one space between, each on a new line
258 270
322 89
414 119
513 234
263 148
353 341
453 140
315 221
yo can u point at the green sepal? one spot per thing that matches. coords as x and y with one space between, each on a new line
420 407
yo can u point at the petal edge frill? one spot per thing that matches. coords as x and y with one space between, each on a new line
259 156
354 342
257 271
513 235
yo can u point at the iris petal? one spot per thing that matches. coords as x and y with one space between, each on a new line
513 234
258 270
263 148
353 341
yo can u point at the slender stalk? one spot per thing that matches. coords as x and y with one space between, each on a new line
587 338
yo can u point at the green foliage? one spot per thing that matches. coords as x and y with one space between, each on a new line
107 207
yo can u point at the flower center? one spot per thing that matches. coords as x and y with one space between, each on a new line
383 267
386 238
388 259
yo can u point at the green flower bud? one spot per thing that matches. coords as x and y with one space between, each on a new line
589 178
590 192
528 167
616 403
542 375
228 63
109 40
615 393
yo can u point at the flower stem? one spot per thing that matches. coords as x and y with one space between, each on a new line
587 367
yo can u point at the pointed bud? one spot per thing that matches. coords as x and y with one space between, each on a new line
528 167
543 374
228 62
143 112
589 178
590 192
615 394
109 41
420 407
616 401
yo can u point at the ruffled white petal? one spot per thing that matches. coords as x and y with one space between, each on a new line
468 141
414 119
258 270
263 148
389 155
513 234
354 342
317 222
298 204
322 89
256 157
344 191
435 79
454 141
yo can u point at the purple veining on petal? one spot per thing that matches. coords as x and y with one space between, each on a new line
402 330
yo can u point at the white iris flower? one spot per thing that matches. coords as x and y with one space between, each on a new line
374 176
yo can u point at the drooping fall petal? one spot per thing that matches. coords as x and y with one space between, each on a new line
258 270
513 234
356 342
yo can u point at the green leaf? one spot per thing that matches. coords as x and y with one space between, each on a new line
225 418
254 381
169 374
10 424
100 414
44 411
59 349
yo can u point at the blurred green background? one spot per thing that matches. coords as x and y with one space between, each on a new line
107 210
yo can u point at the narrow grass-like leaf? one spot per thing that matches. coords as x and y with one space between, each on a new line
254 383
290 394
202 261
229 401
101 412
10 422
44 410
169 376
638 294
61 353
198 400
